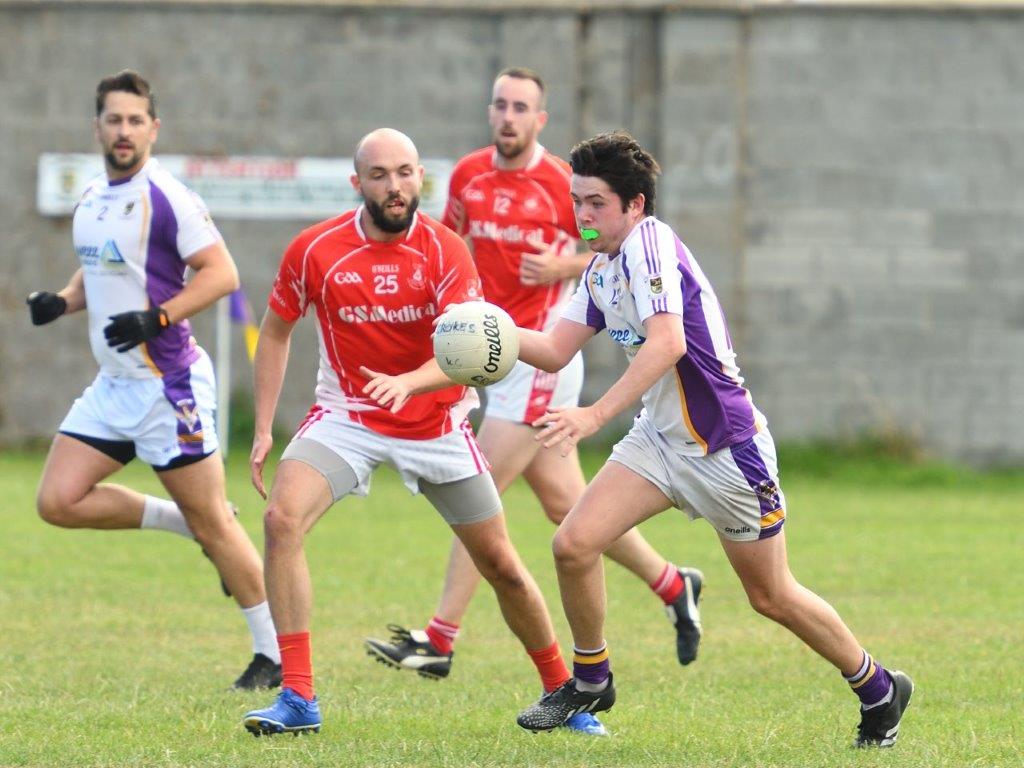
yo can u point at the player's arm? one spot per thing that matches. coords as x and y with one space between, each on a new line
45 306
395 391
664 345
215 276
269 366
552 262
553 350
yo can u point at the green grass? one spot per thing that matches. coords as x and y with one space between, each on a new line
116 648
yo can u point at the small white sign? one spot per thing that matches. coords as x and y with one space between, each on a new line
308 188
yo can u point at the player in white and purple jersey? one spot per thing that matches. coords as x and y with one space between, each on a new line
136 229
699 443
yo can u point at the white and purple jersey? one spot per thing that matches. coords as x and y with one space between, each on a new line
700 406
133 238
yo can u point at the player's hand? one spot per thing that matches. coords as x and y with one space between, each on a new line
129 329
45 307
565 427
261 445
384 389
542 266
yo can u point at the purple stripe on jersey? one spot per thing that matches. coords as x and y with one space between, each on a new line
719 409
595 317
178 391
172 350
625 271
650 242
755 472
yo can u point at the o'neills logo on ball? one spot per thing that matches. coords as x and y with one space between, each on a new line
493 343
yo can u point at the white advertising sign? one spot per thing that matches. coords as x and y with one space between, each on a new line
308 188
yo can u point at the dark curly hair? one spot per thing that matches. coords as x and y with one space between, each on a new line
619 161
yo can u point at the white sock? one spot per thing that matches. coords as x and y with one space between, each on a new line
582 685
264 636
164 515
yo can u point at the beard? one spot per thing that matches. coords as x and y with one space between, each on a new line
385 221
122 165
511 151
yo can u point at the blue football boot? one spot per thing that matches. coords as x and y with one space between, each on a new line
289 714
586 723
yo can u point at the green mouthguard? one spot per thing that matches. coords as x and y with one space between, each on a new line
589 234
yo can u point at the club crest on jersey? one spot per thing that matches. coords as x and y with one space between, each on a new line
531 204
474 196
128 208
416 280
656 286
110 253
187 413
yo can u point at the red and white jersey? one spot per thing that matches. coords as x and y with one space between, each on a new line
375 303
504 211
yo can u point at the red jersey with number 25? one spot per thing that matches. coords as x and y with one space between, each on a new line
375 303
504 211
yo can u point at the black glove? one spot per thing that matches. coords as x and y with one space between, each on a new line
129 329
45 307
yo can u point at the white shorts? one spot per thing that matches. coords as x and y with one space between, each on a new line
526 393
166 418
736 489
454 456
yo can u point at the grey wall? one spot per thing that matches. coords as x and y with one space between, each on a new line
850 180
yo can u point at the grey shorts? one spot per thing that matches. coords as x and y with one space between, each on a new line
460 502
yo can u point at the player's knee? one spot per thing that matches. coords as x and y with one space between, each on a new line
556 512
570 550
54 508
768 602
279 525
502 570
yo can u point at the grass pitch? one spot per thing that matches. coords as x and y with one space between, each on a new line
117 649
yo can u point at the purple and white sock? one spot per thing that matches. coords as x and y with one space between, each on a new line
872 683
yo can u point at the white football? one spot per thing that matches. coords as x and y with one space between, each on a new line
476 343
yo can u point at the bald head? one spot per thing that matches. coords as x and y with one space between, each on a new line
389 178
385 147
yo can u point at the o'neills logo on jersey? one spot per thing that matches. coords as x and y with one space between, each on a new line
513 233
374 313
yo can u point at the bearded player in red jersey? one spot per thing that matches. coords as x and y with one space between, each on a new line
511 202
376 277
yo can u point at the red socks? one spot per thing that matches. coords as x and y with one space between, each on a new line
442 634
669 586
297 663
551 666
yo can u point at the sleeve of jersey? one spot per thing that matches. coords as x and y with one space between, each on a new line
655 280
196 229
448 218
288 296
457 280
581 307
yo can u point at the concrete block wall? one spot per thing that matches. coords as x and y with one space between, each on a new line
850 180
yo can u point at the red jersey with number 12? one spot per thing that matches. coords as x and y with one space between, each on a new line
504 211
375 303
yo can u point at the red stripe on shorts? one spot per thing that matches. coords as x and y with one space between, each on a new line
482 465
315 414
542 389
